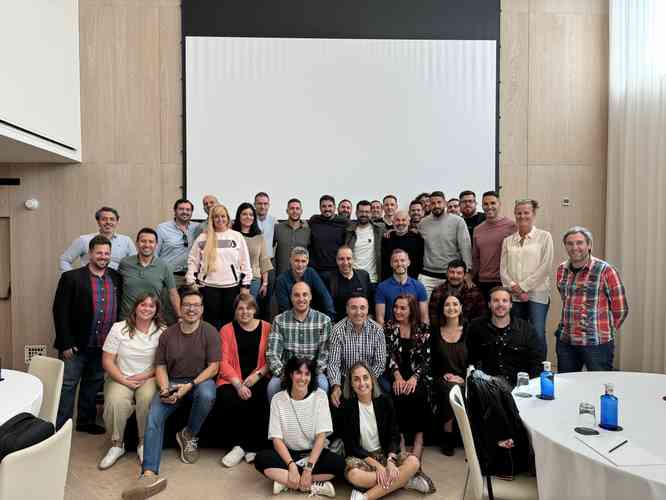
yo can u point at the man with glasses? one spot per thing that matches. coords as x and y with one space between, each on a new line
175 237
186 364
468 211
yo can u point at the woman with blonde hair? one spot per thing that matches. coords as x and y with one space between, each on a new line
128 358
219 264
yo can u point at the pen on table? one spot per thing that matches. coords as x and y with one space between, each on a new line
616 447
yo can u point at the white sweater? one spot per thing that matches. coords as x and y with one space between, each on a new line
233 259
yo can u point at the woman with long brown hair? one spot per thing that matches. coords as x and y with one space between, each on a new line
128 359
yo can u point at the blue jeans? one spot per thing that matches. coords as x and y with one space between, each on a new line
255 285
275 385
535 313
86 367
202 398
596 358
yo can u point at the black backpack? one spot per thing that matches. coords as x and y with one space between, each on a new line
22 431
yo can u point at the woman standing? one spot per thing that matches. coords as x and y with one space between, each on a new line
449 364
219 263
300 420
241 383
408 348
525 268
375 464
246 224
128 358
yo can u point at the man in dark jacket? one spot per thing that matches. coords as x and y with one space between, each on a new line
502 346
347 281
327 234
84 309
402 237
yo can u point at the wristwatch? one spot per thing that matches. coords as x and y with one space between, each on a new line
309 466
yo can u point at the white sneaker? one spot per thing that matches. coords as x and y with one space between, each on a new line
323 488
234 457
250 456
278 488
139 453
418 483
114 453
358 495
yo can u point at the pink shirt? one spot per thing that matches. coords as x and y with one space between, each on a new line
487 247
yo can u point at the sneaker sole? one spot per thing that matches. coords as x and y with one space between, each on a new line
141 492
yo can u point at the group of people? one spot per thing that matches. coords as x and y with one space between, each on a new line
339 337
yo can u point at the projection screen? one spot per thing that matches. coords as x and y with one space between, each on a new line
354 118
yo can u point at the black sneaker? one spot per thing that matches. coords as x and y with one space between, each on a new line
91 429
447 446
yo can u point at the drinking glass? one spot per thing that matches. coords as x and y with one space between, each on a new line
522 385
587 419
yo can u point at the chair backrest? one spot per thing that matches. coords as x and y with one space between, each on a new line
50 371
475 478
40 471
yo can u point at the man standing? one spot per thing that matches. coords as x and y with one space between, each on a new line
594 306
289 234
299 332
107 219
208 202
347 281
416 213
175 238
145 272
399 283
84 309
345 208
468 211
471 298
266 223
502 345
186 363
376 211
487 243
402 237
364 237
390 205
355 338
446 238
327 234
424 198
299 271
453 206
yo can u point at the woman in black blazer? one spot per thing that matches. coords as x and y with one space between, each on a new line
375 465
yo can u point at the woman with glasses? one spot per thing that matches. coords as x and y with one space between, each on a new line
219 264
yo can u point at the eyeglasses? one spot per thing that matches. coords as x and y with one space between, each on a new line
191 306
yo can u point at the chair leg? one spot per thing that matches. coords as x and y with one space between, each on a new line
466 483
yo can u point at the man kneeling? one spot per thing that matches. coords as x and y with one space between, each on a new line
186 362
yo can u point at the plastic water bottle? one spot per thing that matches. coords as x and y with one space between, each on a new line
547 382
609 408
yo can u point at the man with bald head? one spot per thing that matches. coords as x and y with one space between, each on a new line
299 332
208 202
409 241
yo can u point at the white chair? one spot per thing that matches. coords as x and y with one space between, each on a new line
521 488
38 472
50 371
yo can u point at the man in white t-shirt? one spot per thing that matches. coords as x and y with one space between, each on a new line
364 237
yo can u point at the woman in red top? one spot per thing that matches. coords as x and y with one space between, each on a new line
242 381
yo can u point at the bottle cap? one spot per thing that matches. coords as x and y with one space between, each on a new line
546 366
609 388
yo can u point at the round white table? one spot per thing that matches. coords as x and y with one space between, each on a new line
566 467
19 392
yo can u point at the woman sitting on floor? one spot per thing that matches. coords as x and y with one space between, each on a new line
375 464
300 420
242 382
128 358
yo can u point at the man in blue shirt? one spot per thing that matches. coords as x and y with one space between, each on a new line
299 271
175 238
266 223
398 284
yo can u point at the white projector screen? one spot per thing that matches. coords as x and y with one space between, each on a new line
354 118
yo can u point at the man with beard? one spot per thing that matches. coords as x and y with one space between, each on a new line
446 238
416 213
453 206
327 234
399 283
401 237
424 198
347 281
376 211
364 237
501 345
292 233
175 238
471 299
468 211
345 208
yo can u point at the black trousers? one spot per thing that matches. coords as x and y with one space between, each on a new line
412 410
247 419
219 305
328 463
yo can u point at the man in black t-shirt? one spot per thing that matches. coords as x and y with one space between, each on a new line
346 281
327 234
469 213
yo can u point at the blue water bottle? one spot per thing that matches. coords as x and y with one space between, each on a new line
547 382
609 408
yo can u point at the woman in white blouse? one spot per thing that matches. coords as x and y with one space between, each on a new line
526 266
299 422
128 359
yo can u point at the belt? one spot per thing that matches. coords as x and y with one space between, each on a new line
179 273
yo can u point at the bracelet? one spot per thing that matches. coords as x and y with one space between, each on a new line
290 462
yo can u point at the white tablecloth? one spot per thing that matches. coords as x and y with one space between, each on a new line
567 468
19 392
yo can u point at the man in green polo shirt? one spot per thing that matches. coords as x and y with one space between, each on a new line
145 272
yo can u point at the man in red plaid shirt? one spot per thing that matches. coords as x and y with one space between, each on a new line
594 306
